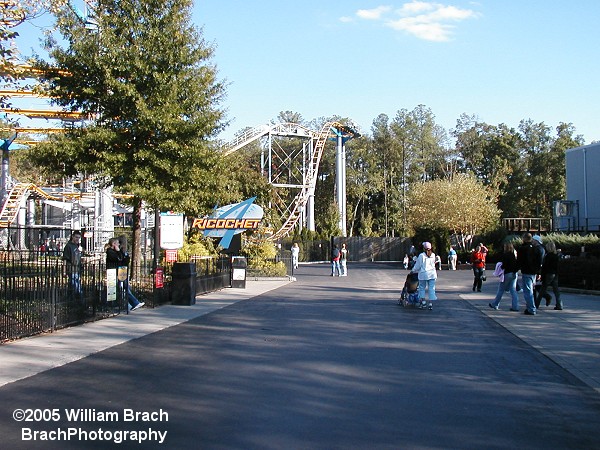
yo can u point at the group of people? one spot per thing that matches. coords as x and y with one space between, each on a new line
538 264
409 261
339 259
116 257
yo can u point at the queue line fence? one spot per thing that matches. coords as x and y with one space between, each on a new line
37 295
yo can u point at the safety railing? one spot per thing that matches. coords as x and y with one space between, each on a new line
38 295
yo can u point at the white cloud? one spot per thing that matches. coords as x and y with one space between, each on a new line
451 13
426 30
415 8
430 21
373 14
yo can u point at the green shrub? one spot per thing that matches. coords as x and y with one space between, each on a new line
579 273
262 268
262 260
196 245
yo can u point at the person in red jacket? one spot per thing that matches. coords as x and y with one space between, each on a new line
478 262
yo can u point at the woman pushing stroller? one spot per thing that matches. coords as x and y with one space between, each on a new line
425 268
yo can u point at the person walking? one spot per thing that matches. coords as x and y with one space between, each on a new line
550 277
425 267
335 261
72 254
438 262
295 255
529 258
343 260
452 258
478 262
508 282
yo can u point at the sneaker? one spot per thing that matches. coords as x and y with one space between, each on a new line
423 304
430 306
139 305
558 308
529 313
492 306
513 309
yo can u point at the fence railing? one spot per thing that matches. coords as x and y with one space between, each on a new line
37 295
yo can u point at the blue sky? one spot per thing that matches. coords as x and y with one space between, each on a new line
501 60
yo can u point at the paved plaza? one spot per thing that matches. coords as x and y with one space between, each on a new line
318 363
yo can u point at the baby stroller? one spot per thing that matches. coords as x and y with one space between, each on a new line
410 291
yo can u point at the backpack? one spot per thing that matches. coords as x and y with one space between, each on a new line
336 254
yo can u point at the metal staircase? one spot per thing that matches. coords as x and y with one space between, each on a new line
17 194
311 180
293 211
245 138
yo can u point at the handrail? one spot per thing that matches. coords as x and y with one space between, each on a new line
11 206
291 130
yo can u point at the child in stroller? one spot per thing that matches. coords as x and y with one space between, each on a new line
410 291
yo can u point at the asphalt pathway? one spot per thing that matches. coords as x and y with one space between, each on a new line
320 363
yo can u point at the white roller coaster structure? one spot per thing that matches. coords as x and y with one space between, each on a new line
293 173
279 164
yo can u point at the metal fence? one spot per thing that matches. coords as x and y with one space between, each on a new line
37 296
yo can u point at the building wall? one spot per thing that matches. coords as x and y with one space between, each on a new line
583 187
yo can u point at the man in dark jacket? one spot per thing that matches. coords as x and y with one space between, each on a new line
72 257
529 257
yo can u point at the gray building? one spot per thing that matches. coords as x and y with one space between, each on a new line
581 210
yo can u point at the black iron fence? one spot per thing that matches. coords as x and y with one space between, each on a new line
37 295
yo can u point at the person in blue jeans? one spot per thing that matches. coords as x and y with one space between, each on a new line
335 261
425 267
529 258
510 267
116 258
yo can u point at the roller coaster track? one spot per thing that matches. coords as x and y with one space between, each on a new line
252 134
13 202
295 208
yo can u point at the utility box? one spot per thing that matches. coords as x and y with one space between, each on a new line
183 285
238 271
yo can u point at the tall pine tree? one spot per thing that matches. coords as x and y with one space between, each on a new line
142 71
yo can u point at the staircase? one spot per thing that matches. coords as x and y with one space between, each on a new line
245 138
11 207
311 181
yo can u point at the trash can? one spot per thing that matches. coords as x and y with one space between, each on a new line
238 272
183 286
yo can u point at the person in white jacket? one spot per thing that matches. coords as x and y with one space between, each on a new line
425 267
